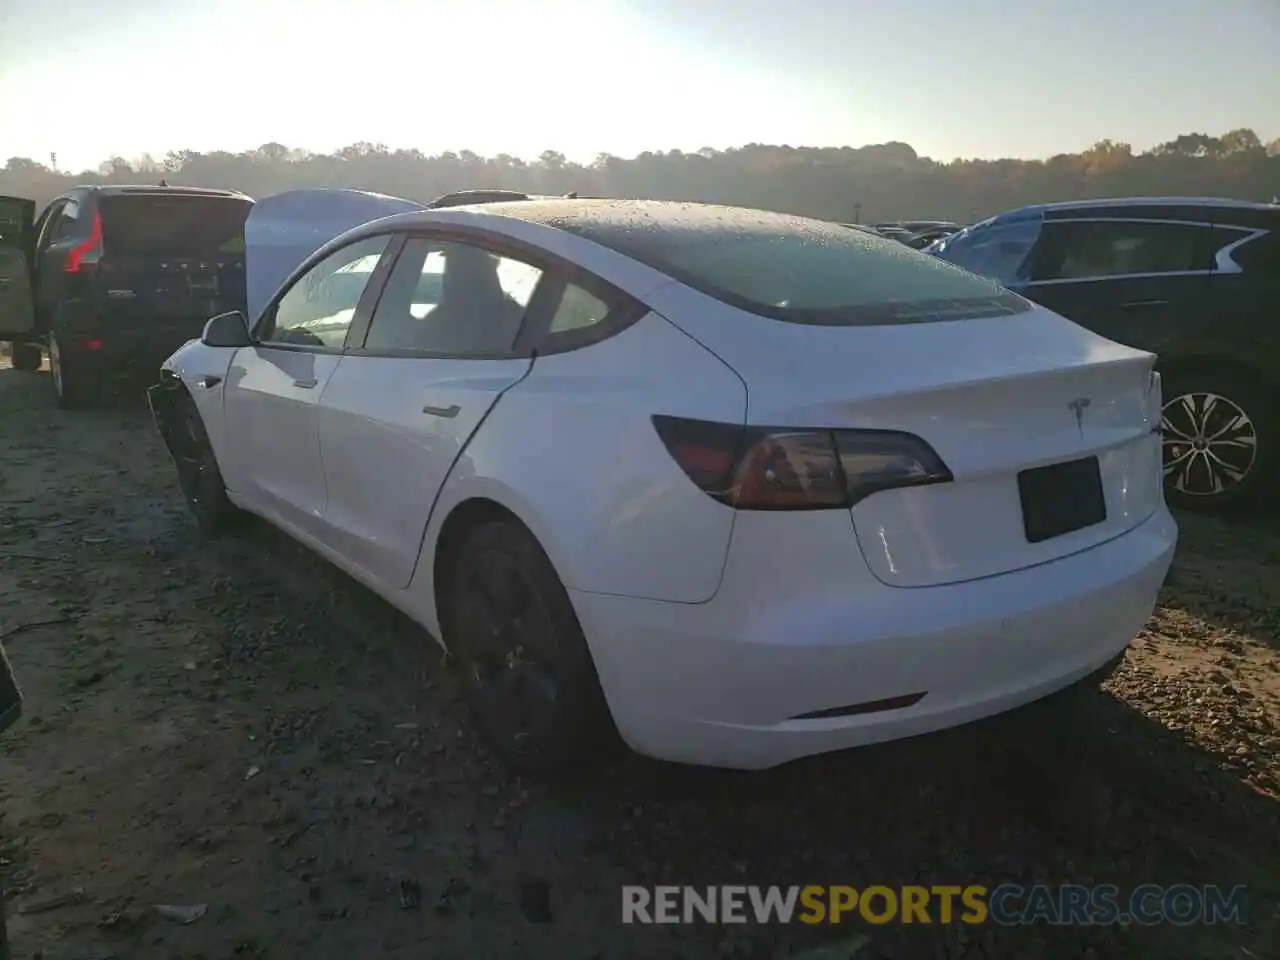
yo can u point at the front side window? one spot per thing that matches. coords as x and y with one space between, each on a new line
318 308
1091 249
452 299
992 249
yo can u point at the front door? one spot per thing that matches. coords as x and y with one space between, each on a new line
17 235
404 402
273 387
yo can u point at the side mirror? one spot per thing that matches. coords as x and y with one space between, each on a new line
227 330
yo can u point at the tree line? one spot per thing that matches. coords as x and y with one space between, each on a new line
887 181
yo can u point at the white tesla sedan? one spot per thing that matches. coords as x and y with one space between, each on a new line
738 486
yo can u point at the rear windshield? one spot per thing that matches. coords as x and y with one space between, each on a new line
799 270
174 226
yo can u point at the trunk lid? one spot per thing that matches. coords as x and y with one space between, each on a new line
171 257
994 396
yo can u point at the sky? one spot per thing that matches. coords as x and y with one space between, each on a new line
90 79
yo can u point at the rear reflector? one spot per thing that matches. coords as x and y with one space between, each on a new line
86 344
867 706
776 468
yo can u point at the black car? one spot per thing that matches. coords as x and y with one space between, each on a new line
1196 281
110 278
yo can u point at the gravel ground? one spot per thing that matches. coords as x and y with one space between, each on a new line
240 727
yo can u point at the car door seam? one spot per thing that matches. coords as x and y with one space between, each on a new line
435 501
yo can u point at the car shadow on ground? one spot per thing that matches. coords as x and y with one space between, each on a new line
1070 790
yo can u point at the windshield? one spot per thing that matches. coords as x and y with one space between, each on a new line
796 269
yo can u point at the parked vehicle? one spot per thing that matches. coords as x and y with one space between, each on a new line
923 238
916 226
1196 281
113 278
900 234
526 424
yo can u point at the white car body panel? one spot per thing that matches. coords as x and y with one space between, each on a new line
714 631
799 626
273 432
386 457
992 396
621 499
198 366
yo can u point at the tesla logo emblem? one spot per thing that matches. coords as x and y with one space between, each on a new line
1078 406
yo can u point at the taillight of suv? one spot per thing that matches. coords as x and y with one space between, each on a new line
86 253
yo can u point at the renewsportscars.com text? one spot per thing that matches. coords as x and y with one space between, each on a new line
1006 905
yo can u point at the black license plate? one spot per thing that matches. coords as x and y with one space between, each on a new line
1061 498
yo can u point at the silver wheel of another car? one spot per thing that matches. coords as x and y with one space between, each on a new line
1216 441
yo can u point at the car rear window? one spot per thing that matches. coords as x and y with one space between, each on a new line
173 226
798 270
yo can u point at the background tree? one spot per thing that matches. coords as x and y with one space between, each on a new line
885 181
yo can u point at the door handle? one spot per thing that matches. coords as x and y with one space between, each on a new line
305 384
448 412
1134 304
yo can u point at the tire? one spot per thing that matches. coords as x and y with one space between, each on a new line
1221 438
199 477
531 684
73 389
25 357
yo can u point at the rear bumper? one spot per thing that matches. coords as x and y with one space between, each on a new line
120 351
727 682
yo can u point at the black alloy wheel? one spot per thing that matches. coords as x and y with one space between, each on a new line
529 679
198 475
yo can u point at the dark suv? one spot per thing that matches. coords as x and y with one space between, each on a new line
110 278
1196 281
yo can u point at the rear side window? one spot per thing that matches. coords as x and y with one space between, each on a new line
67 225
446 298
1260 257
178 225
1090 249
803 271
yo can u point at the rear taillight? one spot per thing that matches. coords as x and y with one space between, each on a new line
775 468
91 247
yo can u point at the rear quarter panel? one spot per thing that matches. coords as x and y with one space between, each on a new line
572 452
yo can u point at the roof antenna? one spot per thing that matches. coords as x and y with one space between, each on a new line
163 182
571 196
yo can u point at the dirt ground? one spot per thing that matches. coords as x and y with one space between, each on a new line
239 726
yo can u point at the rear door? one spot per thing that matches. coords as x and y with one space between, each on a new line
439 352
1144 283
273 386
17 246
